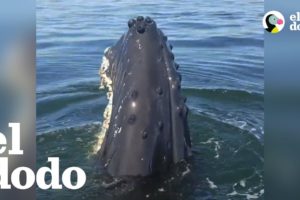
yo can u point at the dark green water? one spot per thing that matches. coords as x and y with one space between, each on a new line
229 157
219 46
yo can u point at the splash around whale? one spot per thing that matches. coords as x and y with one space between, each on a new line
145 128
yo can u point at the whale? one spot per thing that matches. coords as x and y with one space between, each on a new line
145 123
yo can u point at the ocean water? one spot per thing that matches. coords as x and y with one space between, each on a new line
219 46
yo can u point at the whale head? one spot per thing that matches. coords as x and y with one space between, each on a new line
145 127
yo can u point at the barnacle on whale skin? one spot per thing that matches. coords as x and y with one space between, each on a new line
105 83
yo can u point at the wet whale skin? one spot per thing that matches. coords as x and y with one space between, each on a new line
148 128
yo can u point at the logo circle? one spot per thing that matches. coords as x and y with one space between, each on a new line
273 22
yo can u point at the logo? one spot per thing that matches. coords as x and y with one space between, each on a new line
295 19
273 22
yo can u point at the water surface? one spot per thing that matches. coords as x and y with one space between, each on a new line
219 46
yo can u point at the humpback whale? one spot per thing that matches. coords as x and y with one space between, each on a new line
145 128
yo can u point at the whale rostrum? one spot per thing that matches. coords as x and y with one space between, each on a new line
145 128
